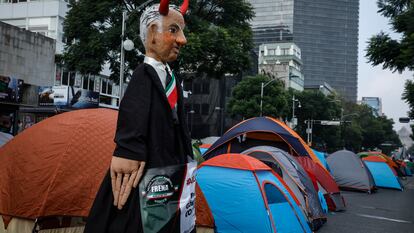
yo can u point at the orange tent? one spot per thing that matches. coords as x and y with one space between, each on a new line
55 167
204 216
387 159
373 158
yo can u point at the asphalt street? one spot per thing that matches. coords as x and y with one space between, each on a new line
385 211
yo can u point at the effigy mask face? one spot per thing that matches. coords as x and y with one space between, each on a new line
166 38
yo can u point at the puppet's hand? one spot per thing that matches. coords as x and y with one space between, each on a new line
125 174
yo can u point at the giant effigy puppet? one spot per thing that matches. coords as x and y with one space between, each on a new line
150 184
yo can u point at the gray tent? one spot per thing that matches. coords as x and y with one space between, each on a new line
295 177
350 172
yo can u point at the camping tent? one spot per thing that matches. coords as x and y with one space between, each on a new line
61 162
204 219
406 168
350 172
271 132
387 159
204 148
295 177
209 140
258 131
322 159
4 138
246 196
384 176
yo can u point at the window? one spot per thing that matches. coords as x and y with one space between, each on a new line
188 84
197 88
58 80
196 108
205 86
205 109
103 89
105 100
110 83
72 78
91 83
85 82
65 79
273 195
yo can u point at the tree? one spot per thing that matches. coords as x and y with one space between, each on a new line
396 55
316 106
218 34
359 127
377 132
245 101
408 96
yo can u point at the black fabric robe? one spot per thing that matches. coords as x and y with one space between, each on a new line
146 131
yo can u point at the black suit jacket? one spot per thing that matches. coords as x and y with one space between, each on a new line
146 129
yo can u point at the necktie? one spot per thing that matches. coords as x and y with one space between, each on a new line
171 90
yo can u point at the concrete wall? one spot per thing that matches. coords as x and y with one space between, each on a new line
26 55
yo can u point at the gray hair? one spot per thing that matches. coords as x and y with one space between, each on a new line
151 15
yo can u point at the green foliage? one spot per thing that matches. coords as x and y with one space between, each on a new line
218 34
359 127
245 100
317 106
408 96
396 55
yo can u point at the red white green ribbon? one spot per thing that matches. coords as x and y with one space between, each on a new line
171 92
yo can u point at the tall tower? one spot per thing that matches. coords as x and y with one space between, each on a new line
326 31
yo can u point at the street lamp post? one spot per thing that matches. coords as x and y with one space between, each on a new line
261 95
127 45
293 109
191 122
343 125
221 118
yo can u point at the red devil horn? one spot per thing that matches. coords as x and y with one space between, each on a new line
164 6
184 7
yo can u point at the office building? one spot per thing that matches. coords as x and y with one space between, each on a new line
375 103
326 31
46 17
282 61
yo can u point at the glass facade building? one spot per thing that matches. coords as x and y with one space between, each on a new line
325 30
375 103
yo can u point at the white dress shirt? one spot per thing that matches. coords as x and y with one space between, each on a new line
159 67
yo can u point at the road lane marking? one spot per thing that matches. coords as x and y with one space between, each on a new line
374 208
383 218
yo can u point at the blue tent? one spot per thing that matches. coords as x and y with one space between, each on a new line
244 195
203 150
321 157
382 173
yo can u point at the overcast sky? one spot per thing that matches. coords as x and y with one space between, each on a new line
373 81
